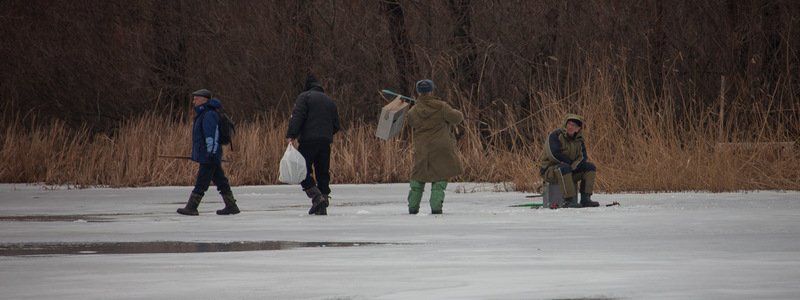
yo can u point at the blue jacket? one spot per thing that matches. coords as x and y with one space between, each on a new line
205 133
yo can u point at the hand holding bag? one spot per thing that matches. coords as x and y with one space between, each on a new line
293 166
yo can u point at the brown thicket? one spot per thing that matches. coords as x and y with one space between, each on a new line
678 94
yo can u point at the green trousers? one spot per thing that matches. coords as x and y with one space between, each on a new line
437 194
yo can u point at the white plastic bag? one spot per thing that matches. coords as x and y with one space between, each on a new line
293 166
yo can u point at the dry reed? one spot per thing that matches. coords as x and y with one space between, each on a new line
637 146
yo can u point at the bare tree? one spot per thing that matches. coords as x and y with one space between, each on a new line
465 73
401 45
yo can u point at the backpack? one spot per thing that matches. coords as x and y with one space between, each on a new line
226 128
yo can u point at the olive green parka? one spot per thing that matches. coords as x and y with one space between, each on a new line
560 149
435 151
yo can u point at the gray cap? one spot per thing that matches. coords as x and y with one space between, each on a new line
202 93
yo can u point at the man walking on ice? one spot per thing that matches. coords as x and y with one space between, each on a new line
314 121
207 152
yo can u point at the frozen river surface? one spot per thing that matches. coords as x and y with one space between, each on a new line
130 244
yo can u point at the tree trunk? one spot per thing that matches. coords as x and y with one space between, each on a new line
169 55
657 54
401 45
771 18
466 72
304 56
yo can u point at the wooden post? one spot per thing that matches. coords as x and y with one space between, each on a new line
721 137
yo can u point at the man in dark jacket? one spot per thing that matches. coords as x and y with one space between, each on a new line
564 161
314 121
207 151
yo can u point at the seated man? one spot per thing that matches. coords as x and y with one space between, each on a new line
564 161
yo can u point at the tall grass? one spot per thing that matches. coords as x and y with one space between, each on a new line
638 145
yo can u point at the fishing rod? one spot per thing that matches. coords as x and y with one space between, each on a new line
414 101
394 95
182 157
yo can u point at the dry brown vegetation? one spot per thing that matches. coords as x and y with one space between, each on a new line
92 93
637 149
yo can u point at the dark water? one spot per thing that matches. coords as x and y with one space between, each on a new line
601 298
159 247
61 218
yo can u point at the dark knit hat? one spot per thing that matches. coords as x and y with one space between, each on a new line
311 82
425 86
202 93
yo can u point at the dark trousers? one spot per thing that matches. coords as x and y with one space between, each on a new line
318 161
208 173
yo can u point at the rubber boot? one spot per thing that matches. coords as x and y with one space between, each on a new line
317 199
415 196
586 200
230 205
437 197
323 211
191 205
571 202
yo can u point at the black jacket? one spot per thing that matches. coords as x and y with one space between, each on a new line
315 118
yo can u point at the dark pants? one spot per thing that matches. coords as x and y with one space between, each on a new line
207 174
318 157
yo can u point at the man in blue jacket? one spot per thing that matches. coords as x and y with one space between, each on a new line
314 121
207 151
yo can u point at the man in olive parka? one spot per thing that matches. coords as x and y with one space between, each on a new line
435 157
564 161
